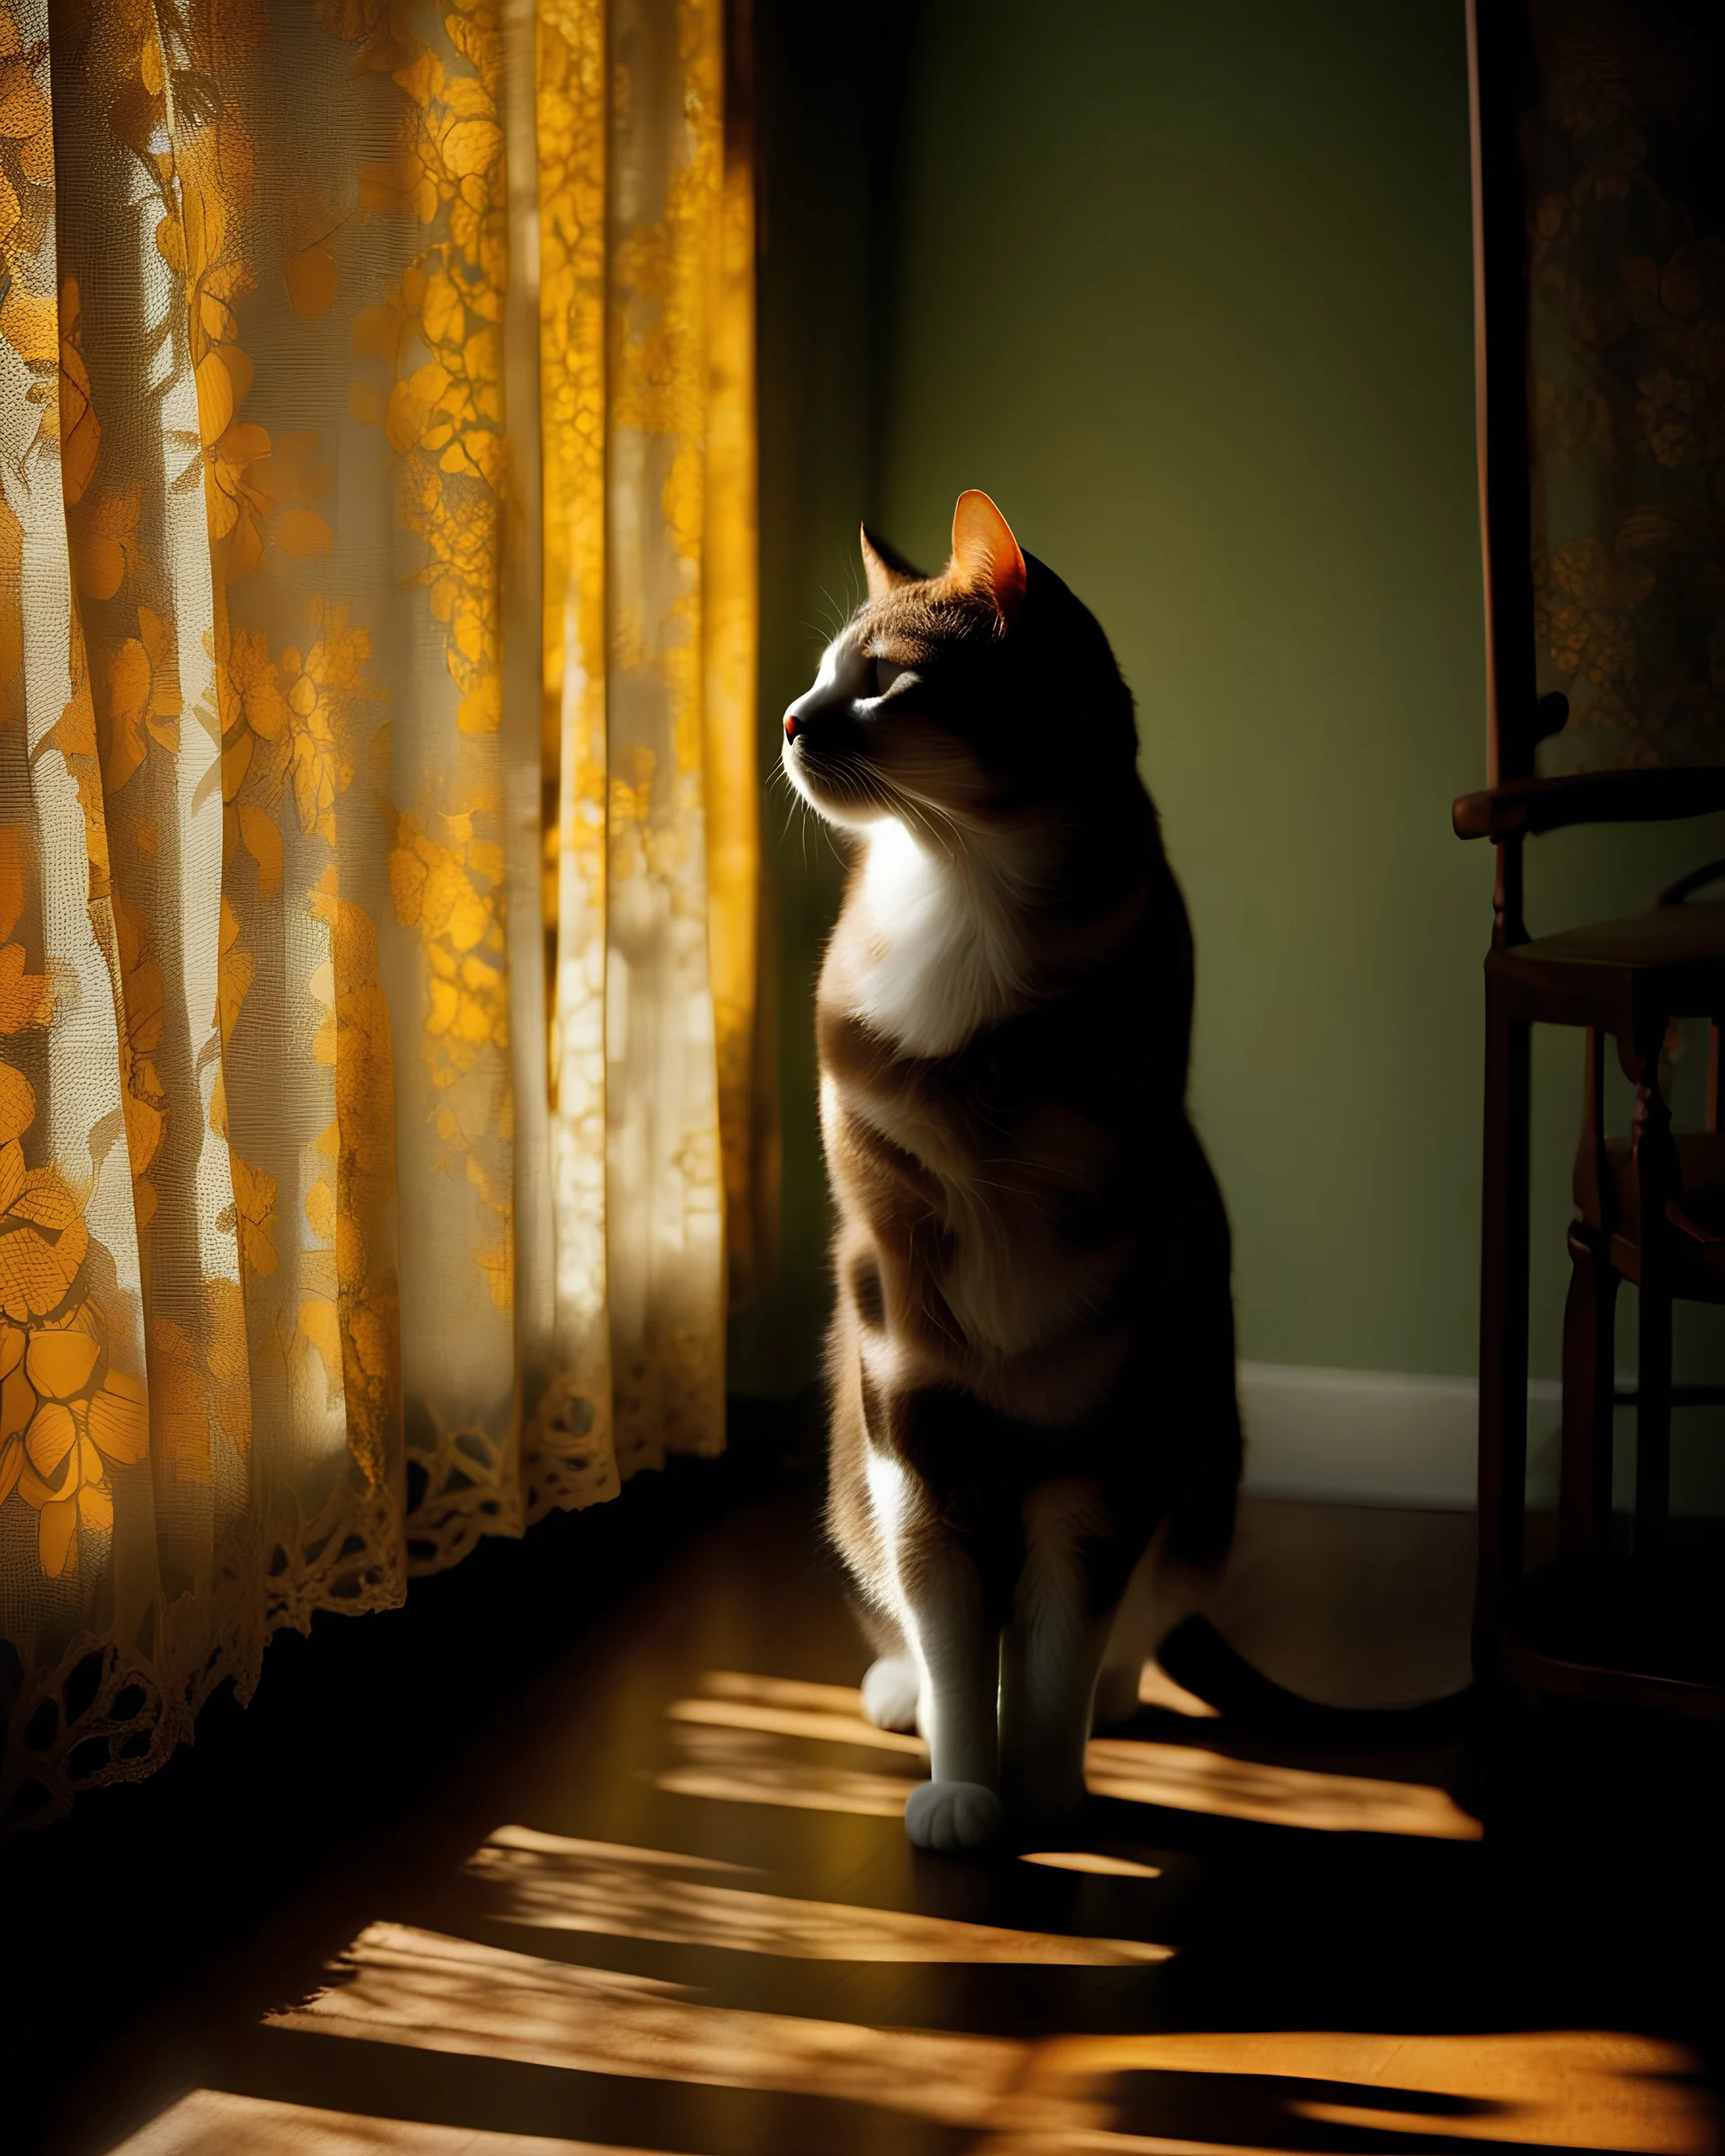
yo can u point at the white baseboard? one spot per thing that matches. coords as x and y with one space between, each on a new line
1379 1436
1391 1437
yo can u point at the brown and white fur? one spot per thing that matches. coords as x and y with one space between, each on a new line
1031 1357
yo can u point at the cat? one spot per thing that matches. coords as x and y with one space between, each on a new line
1030 1362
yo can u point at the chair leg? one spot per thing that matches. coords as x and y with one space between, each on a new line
1503 1326
1584 1501
1653 1418
1655 1180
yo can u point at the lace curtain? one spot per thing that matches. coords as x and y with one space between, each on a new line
377 849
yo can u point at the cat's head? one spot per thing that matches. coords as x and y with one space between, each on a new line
965 703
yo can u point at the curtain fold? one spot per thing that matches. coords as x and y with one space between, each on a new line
378 861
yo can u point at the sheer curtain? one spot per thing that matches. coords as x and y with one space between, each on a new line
377 849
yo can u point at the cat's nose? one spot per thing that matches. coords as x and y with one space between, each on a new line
792 724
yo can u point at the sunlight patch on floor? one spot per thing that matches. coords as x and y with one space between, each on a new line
824 1726
1095 1861
1570 2089
1096 2141
784 1691
802 1789
546 1881
1156 1688
750 1766
397 1984
401 1986
573 1850
1186 1779
731 1743
211 2122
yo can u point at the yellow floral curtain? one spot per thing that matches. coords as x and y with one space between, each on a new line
377 848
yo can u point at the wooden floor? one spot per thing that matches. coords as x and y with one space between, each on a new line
663 1901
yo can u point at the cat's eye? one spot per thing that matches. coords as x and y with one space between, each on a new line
885 673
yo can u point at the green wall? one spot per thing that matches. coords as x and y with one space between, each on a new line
819 212
1187 291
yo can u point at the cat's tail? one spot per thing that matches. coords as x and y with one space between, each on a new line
1196 1656
1198 1537
1184 1572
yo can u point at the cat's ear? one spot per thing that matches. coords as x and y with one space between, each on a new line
985 557
885 569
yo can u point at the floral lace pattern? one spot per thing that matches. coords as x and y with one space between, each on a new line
376 981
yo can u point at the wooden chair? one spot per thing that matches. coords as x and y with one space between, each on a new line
1598 1622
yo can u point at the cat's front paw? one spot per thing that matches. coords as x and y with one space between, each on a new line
889 1693
952 1815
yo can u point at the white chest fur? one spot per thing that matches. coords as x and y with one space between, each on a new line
941 956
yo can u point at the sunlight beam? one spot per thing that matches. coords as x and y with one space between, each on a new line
1156 1688
804 1789
728 1740
1568 2088
398 1984
214 2122
1184 1778
545 1881
823 1726
1093 1861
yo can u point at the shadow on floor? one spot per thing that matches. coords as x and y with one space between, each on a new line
563 1872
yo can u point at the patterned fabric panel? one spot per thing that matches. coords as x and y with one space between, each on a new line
1624 150
377 847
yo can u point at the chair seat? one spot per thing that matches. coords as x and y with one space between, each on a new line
1697 1215
1670 960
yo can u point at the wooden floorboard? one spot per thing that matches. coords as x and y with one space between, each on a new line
660 1899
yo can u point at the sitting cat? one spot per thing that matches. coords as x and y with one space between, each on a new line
1031 1360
